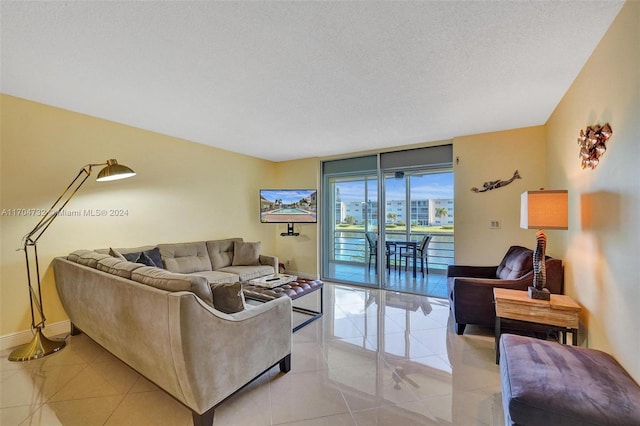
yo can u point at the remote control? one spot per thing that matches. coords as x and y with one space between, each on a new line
272 279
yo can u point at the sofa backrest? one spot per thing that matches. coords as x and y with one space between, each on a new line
185 258
221 252
517 262
88 258
169 281
119 267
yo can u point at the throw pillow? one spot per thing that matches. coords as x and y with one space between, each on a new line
246 254
153 254
228 297
115 253
145 260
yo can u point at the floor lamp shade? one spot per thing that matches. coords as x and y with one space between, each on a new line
41 346
543 210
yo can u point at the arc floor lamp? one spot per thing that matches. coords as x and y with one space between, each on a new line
41 346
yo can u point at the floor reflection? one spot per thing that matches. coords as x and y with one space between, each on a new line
394 353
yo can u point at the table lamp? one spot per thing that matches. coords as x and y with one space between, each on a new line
40 346
542 210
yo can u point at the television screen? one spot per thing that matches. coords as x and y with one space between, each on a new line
288 206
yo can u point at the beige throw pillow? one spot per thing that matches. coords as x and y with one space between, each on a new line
115 253
228 297
246 254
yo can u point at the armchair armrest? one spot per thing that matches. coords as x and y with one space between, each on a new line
471 271
473 297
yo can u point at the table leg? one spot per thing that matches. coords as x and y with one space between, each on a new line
497 343
574 336
414 262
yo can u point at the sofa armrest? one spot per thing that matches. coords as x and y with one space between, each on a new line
269 260
216 354
471 271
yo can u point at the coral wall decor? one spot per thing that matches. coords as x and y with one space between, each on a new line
592 143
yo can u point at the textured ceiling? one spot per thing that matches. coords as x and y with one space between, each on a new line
287 80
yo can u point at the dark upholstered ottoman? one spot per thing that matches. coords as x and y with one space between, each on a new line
295 289
546 383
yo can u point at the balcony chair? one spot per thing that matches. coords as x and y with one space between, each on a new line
421 254
372 240
470 288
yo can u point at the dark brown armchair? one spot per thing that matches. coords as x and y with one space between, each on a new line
470 288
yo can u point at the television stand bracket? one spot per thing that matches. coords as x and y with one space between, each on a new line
289 232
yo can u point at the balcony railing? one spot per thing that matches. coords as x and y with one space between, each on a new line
352 247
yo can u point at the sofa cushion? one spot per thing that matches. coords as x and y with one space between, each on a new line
153 254
75 255
90 258
221 252
121 268
185 257
517 262
214 277
169 281
249 272
246 254
228 297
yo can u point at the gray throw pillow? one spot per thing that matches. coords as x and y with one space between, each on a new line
153 254
246 254
228 297
145 260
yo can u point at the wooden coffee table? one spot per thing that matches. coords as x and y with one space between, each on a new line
561 313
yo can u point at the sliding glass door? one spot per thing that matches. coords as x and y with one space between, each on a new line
377 209
351 222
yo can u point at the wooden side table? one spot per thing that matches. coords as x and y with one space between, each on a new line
560 313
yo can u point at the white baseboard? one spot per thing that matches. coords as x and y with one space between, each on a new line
20 338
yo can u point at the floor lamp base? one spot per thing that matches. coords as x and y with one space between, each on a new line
40 346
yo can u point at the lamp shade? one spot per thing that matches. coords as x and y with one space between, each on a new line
114 171
544 209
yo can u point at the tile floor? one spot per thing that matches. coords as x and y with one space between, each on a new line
375 358
432 284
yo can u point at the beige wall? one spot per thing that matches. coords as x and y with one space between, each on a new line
301 251
183 192
601 249
488 157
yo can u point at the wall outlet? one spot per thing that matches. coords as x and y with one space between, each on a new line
494 224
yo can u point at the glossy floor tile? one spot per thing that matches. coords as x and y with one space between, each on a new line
433 284
375 358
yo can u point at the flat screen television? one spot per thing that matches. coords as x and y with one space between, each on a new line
288 206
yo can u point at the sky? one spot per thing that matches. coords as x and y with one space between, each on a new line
437 185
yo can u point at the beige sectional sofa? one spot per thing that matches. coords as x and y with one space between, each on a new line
220 261
167 324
